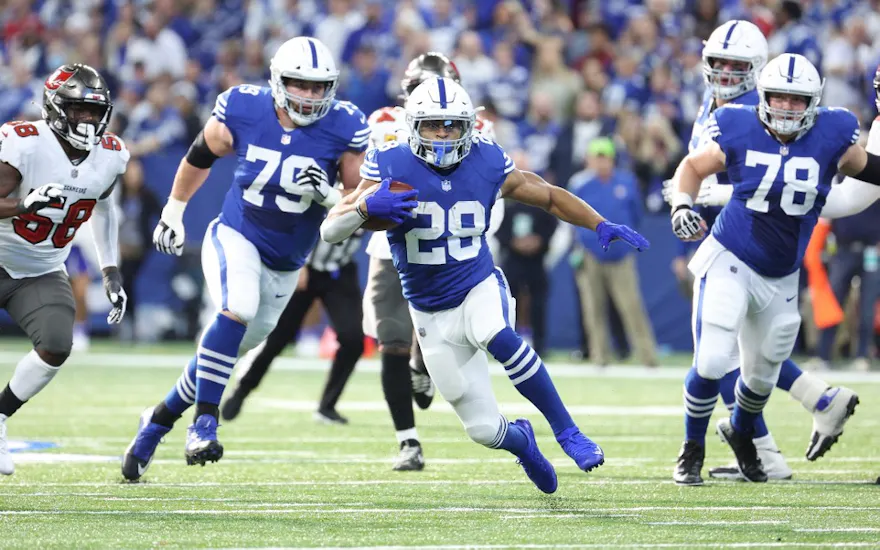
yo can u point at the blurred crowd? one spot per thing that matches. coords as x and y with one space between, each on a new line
553 75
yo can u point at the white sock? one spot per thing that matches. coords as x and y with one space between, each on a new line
31 375
807 389
403 435
766 443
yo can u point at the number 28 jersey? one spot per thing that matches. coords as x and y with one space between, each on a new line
779 189
38 243
441 254
265 204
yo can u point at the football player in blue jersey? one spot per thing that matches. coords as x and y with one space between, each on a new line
733 56
781 158
460 302
291 139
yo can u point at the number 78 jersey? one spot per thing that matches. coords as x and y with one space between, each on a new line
38 243
779 189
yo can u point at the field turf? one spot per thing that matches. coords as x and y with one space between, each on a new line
288 482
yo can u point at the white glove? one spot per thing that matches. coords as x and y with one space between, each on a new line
687 224
169 235
315 183
713 193
41 197
116 294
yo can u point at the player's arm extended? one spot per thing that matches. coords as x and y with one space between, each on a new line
10 179
214 141
694 168
350 170
532 189
859 189
343 219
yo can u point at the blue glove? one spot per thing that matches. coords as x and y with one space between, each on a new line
385 204
609 232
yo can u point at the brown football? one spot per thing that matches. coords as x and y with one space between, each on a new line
378 224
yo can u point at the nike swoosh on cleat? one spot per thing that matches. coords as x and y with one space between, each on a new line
141 470
826 399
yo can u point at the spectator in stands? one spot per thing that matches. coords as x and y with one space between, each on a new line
571 148
155 124
445 24
539 132
476 69
365 83
551 77
509 87
140 210
610 273
793 35
334 28
524 239
160 49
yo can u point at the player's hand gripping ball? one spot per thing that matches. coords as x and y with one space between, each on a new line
387 204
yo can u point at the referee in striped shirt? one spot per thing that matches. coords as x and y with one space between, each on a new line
331 276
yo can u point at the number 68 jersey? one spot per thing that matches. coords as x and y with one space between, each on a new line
38 243
778 189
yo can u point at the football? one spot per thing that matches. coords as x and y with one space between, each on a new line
378 224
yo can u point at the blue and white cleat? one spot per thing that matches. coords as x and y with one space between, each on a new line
201 441
536 466
140 451
586 454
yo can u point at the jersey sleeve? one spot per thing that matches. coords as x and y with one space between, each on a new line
352 124
237 108
391 160
124 156
725 125
847 125
15 146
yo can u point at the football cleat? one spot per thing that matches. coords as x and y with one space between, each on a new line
744 450
140 451
201 441
7 467
329 416
410 458
689 466
772 461
586 454
423 388
834 408
232 405
535 465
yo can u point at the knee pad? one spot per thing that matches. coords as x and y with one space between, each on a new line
715 354
779 342
244 312
484 432
56 333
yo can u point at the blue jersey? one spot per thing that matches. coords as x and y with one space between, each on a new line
441 254
699 136
264 203
779 190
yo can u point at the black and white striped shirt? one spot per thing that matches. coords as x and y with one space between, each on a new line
333 257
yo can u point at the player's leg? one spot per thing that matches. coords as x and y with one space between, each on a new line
422 385
342 300
767 338
394 332
78 270
489 315
43 308
255 363
461 372
775 465
720 300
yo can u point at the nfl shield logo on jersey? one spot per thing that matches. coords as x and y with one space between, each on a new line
446 185
285 139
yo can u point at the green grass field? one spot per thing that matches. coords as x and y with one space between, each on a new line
287 482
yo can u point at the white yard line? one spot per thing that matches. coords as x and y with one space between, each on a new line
562 369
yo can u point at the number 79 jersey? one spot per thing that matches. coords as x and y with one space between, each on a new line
779 189
265 204
441 254
38 243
